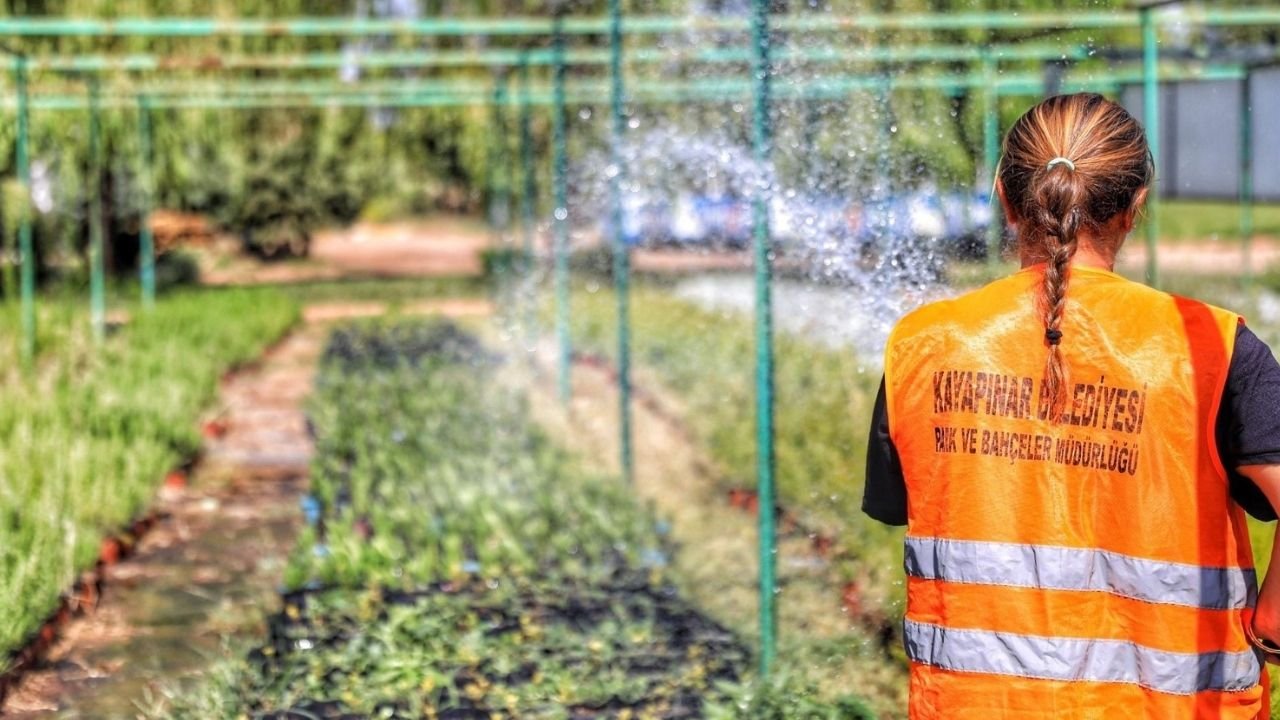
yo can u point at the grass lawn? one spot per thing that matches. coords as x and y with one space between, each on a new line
1207 220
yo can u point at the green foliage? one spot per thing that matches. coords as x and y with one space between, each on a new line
176 269
279 205
88 439
504 260
450 477
595 261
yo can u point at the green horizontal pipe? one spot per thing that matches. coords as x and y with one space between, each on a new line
501 57
323 93
647 95
69 103
660 24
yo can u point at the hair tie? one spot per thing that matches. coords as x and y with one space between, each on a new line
1053 337
1061 161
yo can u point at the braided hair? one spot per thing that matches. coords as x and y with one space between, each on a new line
1072 163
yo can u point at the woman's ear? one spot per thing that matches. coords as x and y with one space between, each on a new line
1010 217
1131 217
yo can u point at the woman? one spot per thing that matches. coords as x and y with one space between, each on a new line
1070 453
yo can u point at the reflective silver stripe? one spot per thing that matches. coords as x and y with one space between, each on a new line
1080 659
1060 568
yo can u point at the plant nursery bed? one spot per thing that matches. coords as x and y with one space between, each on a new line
485 649
457 564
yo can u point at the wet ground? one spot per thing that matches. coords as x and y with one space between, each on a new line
209 570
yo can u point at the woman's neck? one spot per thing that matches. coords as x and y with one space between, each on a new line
1087 255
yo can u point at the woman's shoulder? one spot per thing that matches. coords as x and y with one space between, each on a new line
971 302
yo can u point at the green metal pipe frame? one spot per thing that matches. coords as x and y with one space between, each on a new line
991 156
560 186
146 250
428 92
469 87
189 27
1246 181
449 94
529 201
1151 118
97 270
762 138
503 57
621 256
26 248
499 204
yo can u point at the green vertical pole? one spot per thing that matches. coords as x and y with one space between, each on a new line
499 203
509 160
764 336
1246 179
991 154
26 248
560 181
621 258
97 270
1151 114
884 98
529 205
146 250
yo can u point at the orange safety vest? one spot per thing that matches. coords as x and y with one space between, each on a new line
1091 565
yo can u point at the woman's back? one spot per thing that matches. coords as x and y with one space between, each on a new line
1084 562
1073 549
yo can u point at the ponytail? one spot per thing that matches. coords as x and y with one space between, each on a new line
1059 222
1071 163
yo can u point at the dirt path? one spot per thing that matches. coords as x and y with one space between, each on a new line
717 562
209 569
1202 257
434 247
